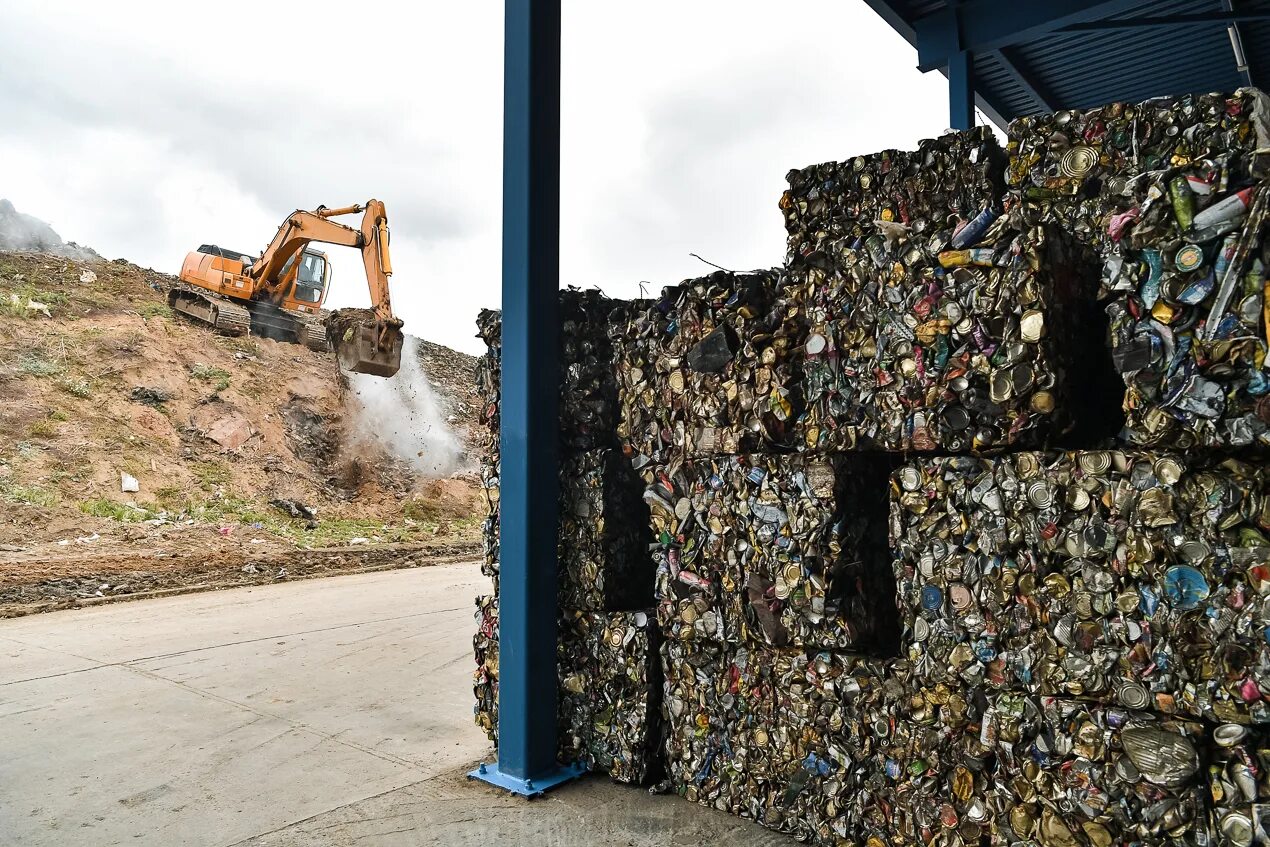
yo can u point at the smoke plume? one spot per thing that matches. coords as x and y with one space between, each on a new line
27 232
401 416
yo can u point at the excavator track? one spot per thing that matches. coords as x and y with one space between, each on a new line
312 334
220 313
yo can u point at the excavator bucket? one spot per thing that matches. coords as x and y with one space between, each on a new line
364 345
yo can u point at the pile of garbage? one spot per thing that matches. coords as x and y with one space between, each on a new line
609 691
959 521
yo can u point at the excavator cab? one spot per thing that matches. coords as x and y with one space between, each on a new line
308 280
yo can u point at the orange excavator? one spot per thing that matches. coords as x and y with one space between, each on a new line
280 294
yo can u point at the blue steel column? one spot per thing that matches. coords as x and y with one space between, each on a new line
961 92
530 367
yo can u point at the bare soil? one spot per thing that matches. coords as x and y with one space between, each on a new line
226 438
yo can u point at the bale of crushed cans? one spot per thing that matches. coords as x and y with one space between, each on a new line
609 689
1132 578
1186 283
830 207
774 549
1069 649
1060 164
588 393
485 677
846 750
974 339
604 563
705 369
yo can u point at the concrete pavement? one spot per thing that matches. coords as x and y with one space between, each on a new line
323 712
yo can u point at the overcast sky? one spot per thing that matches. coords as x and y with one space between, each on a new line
144 129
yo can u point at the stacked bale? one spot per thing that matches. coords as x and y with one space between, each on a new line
776 550
1082 649
1187 306
830 207
1060 165
706 369
609 684
1127 577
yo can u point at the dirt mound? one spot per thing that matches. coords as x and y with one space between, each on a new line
106 390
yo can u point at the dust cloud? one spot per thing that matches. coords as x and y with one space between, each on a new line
19 231
402 416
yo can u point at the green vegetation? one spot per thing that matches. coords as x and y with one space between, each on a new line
211 475
29 495
207 373
75 387
154 310
43 429
122 512
14 303
33 364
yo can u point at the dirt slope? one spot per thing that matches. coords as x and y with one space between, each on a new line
100 379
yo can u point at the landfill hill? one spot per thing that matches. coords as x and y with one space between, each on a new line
238 447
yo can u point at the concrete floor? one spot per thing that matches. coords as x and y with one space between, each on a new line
324 712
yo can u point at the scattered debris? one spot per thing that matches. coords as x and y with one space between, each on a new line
128 483
20 302
294 509
88 277
231 431
148 396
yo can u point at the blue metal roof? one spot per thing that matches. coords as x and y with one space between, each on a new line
1030 56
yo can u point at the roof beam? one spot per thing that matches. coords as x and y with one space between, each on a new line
978 25
1168 20
1012 64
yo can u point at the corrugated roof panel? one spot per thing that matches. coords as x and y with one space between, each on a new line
1089 67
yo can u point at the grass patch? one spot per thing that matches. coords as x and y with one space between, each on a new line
154 310
206 373
211 475
43 429
30 495
121 512
33 364
14 304
171 498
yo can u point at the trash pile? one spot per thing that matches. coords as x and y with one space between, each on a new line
609 689
936 560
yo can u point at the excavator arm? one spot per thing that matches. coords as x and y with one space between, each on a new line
363 346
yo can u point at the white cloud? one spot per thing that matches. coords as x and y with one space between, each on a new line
144 129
